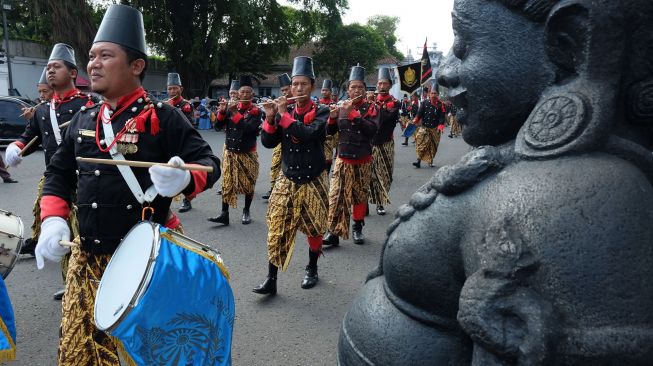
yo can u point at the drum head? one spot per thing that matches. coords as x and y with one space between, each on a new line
11 241
125 275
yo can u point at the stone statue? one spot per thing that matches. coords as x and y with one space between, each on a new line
537 247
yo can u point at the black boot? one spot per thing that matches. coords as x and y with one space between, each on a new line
405 143
380 210
269 285
248 202
330 240
185 206
28 247
223 218
267 195
417 164
357 232
58 295
246 219
310 278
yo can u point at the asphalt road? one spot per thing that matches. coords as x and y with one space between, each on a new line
297 327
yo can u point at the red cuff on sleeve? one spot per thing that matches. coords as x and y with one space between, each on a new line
286 120
269 128
173 222
333 120
237 117
353 115
199 181
416 120
54 206
19 144
222 116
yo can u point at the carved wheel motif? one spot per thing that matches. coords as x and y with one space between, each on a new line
555 121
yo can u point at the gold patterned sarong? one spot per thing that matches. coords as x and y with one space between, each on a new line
275 167
349 186
239 173
295 206
455 126
426 143
382 166
80 342
330 145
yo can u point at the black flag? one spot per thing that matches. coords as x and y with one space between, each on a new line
409 76
426 66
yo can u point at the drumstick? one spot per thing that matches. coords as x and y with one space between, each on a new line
144 164
33 141
69 244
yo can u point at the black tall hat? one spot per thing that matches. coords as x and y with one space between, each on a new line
245 80
357 73
63 52
303 66
327 84
235 85
284 80
122 25
174 79
384 74
44 77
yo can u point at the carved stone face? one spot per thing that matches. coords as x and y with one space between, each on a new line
498 71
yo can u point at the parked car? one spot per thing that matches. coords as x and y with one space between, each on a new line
11 123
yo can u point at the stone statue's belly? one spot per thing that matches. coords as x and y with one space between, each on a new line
423 266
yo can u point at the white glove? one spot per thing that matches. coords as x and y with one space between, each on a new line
53 230
169 182
12 155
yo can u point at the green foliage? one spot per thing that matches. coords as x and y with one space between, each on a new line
346 46
26 21
386 27
204 39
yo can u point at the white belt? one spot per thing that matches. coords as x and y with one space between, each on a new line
125 171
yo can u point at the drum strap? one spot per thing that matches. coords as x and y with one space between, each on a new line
55 123
125 171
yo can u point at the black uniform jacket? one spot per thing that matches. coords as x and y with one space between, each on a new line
356 131
107 209
242 127
39 125
302 138
431 114
184 106
388 108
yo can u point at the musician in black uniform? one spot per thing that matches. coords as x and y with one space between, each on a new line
430 121
66 100
357 122
299 199
240 160
176 100
45 95
275 166
383 144
109 202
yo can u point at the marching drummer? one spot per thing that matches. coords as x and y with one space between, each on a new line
45 127
128 125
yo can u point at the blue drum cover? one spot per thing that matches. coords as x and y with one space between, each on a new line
409 130
7 326
185 317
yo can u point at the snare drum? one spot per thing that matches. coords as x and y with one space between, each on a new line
11 240
167 299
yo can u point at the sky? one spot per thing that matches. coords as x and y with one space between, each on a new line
418 19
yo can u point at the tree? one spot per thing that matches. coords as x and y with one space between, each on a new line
346 46
72 22
204 39
386 27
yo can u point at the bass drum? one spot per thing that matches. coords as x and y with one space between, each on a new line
11 241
